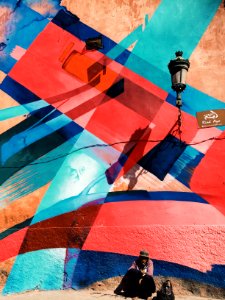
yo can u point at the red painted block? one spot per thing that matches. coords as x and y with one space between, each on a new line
10 246
178 244
88 70
208 179
56 68
68 230
168 114
144 83
115 123
167 228
40 69
166 212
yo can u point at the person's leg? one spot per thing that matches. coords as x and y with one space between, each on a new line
119 288
131 283
123 284
147 287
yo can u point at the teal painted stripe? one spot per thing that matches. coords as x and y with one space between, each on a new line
35 175
175 25
80 179
41 270
118 49
20 110
145 69
70 265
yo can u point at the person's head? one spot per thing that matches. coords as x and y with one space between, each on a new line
143 256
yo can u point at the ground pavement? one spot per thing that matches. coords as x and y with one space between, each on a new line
85 294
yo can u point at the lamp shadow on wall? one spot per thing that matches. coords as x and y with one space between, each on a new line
164 155
98 76
136 140
133 176
158 161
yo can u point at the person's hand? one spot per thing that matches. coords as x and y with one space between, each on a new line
143 274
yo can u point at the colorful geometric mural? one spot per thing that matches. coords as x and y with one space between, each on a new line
94 165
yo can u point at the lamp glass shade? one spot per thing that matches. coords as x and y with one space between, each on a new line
179 77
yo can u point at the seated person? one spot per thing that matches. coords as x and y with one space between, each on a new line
138 281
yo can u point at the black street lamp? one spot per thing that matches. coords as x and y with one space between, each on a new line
178 68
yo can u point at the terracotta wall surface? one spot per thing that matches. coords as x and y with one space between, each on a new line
208 59
96 161
115 19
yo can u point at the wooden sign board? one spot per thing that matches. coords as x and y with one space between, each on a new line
211 118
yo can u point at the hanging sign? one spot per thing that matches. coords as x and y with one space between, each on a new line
211 118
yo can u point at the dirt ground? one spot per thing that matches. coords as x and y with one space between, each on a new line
103 290
86 294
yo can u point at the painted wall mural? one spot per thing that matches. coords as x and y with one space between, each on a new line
93 166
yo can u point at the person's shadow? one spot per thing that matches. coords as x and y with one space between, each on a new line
139 138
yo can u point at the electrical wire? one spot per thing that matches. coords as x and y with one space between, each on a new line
176 130
109 145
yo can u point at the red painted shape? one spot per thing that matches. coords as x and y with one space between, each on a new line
143 102
144 83
87 69
40 69
208 179
207 135
86 106
55 68
65 231
178 244
166 228
10 245
113 122
166 212
158 133
128 74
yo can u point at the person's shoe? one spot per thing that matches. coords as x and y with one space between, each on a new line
118 291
